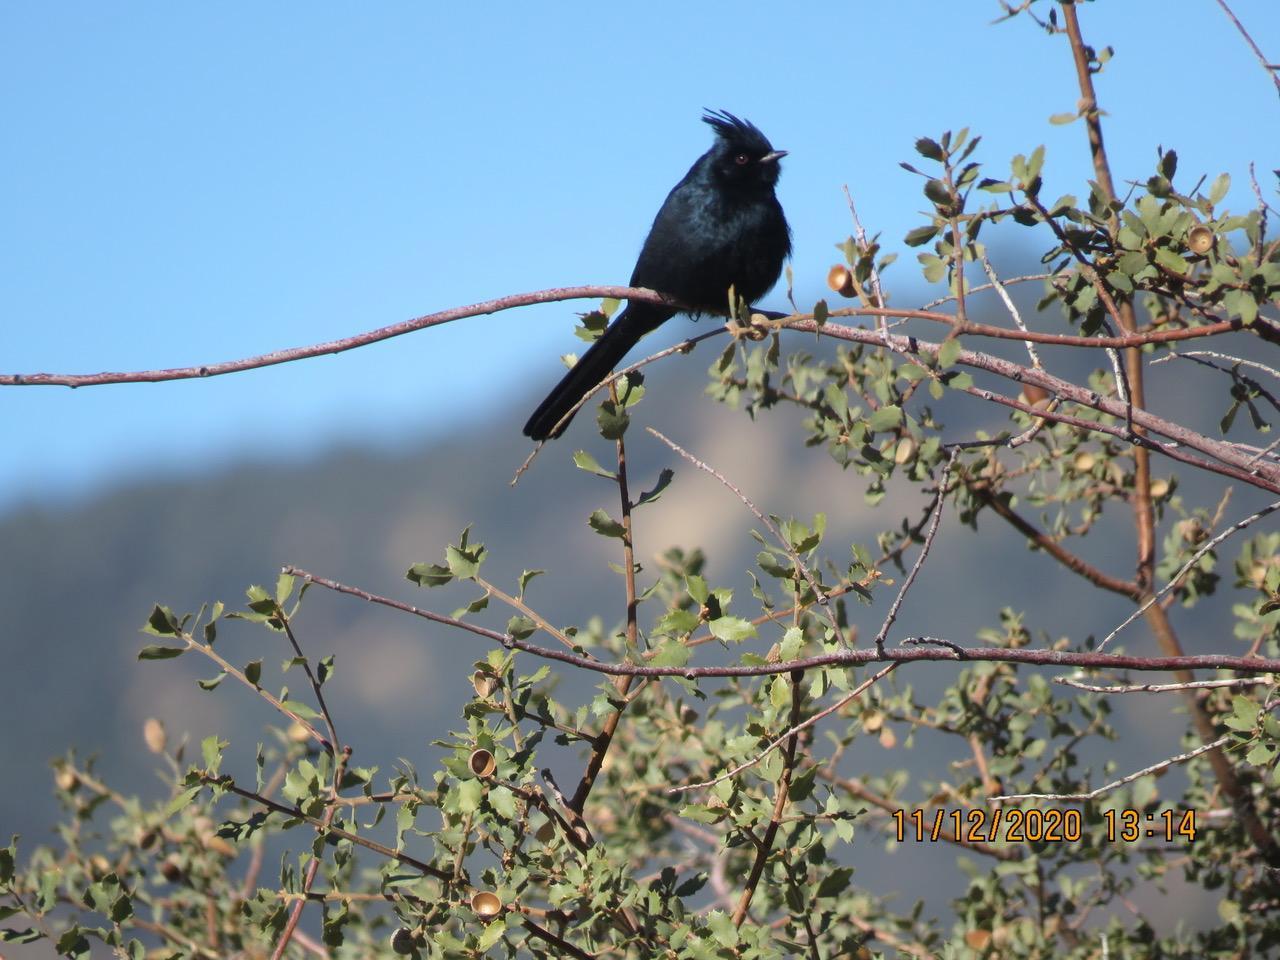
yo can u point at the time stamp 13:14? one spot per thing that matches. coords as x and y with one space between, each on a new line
1060 825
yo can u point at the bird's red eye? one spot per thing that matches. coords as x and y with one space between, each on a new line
741 159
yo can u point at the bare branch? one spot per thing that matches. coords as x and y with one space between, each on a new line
946 650
1195 558
924 551
773 745
781 796
1117 784
558 294
823 600
600 746
1233 460
1012 308
1273 70
1164 687
553 295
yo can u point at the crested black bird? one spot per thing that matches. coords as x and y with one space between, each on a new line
721 226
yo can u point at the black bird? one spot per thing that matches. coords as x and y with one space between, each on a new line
721 226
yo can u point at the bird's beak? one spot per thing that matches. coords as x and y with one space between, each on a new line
773 157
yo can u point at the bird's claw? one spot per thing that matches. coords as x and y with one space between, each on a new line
755 329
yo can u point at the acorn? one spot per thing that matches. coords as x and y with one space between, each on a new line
402 941
486 904
1200 239
171 869
1034 395
483 683
977 939
840 279
153 735
482 763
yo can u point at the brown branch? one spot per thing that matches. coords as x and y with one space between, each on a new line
1053 548
483 308
1169 450
542 933
843 658
556 295
334 747
228 784
295 915
1234 462
1143 509
604 739
781 796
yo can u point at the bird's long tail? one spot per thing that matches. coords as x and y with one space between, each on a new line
592 367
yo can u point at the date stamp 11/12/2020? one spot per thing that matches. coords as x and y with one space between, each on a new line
1052 825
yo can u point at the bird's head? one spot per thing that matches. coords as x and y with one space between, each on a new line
742 155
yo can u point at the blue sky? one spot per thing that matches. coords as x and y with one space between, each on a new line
189 183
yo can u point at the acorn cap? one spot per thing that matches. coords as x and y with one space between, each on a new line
485 903
482 762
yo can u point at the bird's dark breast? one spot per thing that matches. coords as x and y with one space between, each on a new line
738 243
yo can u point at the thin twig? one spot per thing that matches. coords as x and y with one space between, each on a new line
295 915
1008 281
600 745
1198 356
781 796
334 747
861 236
517 604
924 551
684 346
823 600
1012 308
227 783
1272 69
558 294
208 651
1235 361
1072 561
1116 784
845 658
542 933
774 744
1164 687
1195 558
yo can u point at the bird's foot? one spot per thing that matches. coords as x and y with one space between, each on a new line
755 329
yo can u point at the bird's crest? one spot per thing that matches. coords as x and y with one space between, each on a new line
740 133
